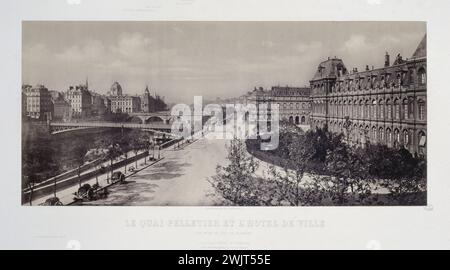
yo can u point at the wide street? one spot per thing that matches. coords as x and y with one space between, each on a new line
180 179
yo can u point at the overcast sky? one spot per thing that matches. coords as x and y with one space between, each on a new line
181 59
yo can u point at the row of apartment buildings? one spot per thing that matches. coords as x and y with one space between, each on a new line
386 105
79 102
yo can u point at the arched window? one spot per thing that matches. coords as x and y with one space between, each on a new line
396 137
397 109
410 108
374 109
406 140
422 143
389 136
421 105
361 109
366 109
381 109
344 104
389 109
374 134
405 109
381 135
422 76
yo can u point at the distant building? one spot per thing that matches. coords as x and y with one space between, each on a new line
80 101
38 102
145 101
62 110
107 103
386 105
293 102
123 103
24 99
55 95
115 90
98 105
150 103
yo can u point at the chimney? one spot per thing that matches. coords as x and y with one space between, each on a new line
386 60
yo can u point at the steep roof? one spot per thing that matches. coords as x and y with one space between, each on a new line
329 68
421 50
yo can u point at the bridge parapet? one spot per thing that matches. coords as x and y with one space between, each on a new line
58 126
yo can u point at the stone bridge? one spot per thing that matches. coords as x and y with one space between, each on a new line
149 118
157 127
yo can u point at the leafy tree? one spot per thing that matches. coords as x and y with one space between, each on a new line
406 191
236 181
112 153
79 159
137 143
98 157
348 174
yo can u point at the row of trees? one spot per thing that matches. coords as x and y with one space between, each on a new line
319 168
111 148
106 148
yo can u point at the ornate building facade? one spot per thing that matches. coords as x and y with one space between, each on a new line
293 102
123 103
385 105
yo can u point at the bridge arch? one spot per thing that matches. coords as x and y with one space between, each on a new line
155 119
136 119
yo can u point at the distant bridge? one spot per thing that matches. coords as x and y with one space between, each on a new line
154 117
157 127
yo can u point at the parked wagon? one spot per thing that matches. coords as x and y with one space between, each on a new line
54 201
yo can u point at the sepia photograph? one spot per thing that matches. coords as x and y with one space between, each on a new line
224 113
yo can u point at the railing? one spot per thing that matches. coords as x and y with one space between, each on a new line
112 125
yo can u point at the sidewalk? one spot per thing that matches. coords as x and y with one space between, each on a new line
66 195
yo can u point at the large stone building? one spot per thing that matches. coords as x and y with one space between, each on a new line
80 101
293 102
123 103
38 102
385 105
